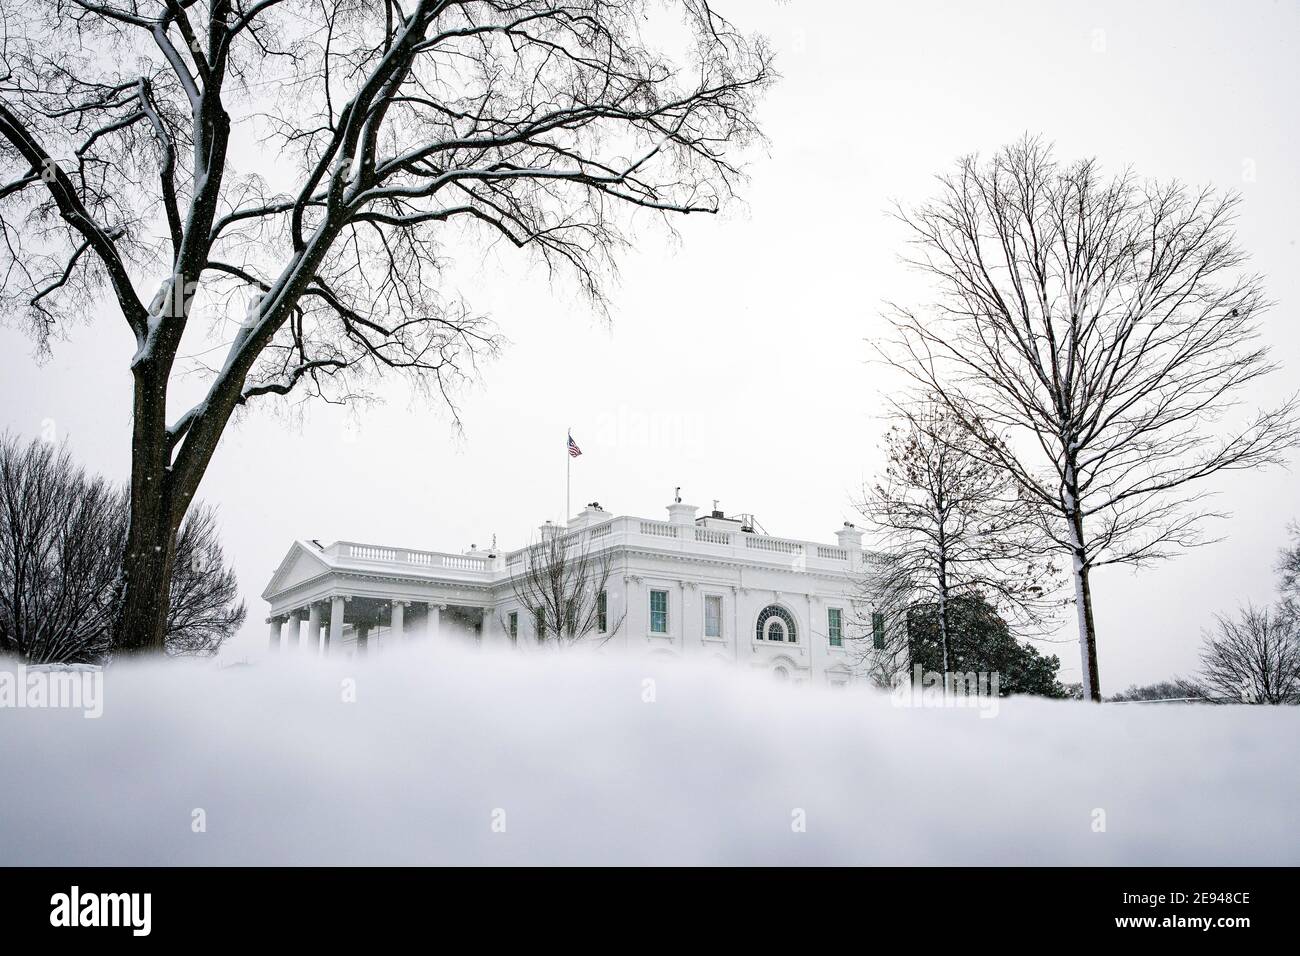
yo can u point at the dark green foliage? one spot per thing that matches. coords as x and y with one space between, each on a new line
980 641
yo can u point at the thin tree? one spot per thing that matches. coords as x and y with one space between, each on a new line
562 588
1091 333
1288 575
61 534
389 134
1253 658
950 525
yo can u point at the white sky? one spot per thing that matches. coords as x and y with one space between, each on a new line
736 363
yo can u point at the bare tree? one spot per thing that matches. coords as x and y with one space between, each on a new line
1091 333
204 607
1177 689
389 133
1253 658
61 534
60 540
1288 575
562 589
949 525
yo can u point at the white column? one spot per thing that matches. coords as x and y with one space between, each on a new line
399 620
336 625
311 643
275 623
682 617
817 624
291 630
433 624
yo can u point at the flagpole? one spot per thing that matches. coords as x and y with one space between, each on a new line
568 479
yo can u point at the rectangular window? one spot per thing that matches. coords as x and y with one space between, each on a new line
878 630
539 624
658 612
835 626
512 622
713 615
602 603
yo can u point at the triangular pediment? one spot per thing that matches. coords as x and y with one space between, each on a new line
302 563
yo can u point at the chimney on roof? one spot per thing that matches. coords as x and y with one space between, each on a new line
593 513
849 537
679 513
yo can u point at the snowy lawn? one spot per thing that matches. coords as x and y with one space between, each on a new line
483 758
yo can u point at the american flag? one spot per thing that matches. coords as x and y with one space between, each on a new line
574 450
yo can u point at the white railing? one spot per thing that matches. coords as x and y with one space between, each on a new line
773 544
659 529
607 533
711 536
368 553
424 559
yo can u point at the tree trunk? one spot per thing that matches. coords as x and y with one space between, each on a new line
146 576
141 623
1082 586
943 584
1087 626
1087 636
943 622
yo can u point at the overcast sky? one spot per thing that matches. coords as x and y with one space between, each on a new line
736 362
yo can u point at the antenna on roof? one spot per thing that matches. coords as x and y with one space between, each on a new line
677 494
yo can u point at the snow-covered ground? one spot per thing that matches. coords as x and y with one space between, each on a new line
485 758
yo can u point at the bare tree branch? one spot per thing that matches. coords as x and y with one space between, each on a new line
398 132
1091 334
561 587
949 525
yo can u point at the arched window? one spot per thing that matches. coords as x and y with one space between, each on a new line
776 624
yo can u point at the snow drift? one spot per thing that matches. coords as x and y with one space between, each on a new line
468 757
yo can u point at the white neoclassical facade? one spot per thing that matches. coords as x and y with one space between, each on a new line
705 587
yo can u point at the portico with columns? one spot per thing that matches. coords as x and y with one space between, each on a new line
711 586
342 623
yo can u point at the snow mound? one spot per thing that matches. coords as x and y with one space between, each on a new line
478 757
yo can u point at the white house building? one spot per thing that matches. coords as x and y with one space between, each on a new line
695 587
